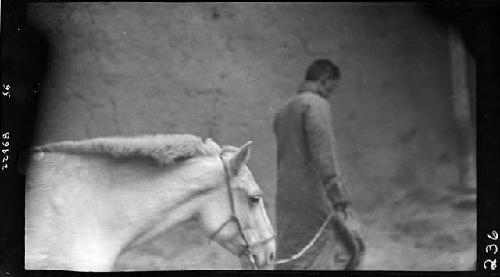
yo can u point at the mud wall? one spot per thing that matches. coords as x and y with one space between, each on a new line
222 70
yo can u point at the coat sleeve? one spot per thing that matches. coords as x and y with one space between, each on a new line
320 138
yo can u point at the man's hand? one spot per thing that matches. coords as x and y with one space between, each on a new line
338 197
353 239
348 223
342 209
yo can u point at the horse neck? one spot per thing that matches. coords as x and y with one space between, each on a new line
106 204
175 197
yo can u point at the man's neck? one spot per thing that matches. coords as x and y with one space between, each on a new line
311 86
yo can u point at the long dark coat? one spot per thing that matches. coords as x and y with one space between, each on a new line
306 157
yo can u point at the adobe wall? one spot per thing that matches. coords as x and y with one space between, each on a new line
222 70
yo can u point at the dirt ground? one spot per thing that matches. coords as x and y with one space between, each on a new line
422 230
432 230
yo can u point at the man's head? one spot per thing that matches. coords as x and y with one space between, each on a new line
325 74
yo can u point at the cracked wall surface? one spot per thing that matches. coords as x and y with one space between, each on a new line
222 70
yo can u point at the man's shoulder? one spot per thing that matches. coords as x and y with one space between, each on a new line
303 101
309 98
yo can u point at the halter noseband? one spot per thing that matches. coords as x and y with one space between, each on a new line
248 247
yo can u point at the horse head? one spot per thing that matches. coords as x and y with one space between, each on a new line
133 190
234 215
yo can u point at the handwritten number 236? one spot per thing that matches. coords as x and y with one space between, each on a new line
493 263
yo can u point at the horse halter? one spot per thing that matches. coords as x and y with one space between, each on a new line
233 218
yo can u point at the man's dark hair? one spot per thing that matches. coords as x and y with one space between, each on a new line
322 67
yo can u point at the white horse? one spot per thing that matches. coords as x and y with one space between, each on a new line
87 200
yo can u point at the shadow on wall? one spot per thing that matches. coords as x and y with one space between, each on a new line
462 16
24 56
466 19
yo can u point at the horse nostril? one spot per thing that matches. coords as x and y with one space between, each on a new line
271 257
255 260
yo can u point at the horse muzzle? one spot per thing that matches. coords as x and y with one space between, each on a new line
258 255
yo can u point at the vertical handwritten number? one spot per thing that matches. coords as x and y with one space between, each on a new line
488 248
493 264
6 93
6 144
6 88
493 236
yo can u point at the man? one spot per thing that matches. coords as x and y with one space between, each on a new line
309 183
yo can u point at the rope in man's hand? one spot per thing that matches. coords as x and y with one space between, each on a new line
347 219
341 212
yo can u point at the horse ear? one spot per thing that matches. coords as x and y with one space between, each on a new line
240 158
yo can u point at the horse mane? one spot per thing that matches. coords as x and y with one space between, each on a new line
162 148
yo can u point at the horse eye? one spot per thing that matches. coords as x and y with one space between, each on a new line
254 200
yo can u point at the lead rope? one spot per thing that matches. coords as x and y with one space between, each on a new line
314 239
